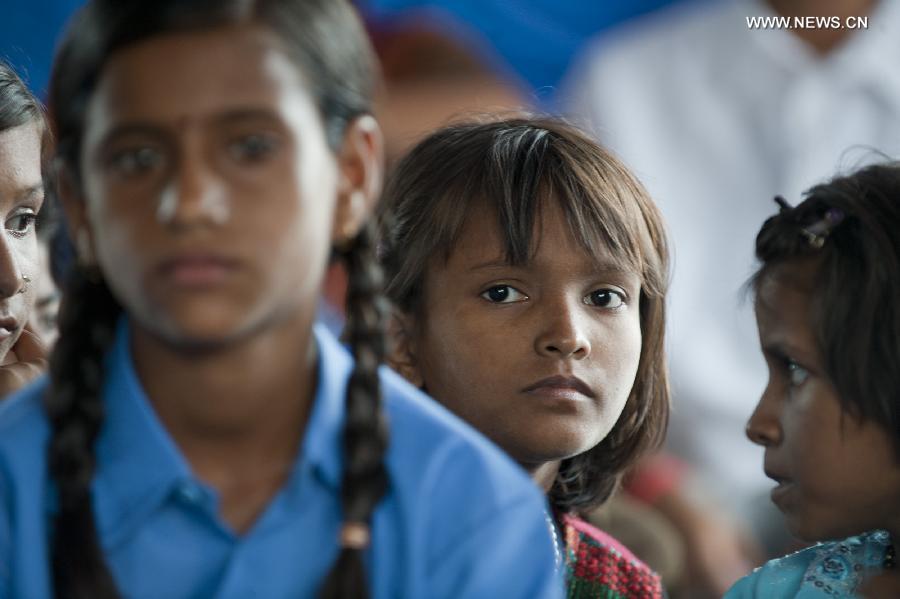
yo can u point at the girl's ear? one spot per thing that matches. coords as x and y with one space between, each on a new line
361 169
402 353
71 200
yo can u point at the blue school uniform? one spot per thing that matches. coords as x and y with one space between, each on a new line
459 519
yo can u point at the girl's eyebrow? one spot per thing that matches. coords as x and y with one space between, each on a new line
784 349
31 193
128 129
28 193
154 129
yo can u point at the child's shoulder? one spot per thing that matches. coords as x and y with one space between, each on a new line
826 570
429 448
597 563
428 438
23 435
23 423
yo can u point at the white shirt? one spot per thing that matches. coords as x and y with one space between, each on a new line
716 119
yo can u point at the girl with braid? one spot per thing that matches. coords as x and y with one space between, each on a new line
529 269
198 435
23 144
826 299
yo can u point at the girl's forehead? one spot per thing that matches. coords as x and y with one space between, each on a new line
796 275
180 73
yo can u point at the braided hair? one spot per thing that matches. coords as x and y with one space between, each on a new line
365 431
847 229
328 44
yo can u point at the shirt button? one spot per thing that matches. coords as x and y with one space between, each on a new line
189 493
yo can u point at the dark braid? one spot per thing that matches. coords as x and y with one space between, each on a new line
74 407
365 431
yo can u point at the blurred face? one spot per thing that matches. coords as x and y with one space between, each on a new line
540 357
21 196
836 476
209 189
46 300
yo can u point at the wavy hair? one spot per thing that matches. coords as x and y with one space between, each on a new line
513 166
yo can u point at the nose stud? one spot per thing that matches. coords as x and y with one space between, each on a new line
26 279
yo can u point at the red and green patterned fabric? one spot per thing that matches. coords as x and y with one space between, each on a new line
599 567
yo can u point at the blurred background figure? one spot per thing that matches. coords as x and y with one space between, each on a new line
717 117
534 39
52 266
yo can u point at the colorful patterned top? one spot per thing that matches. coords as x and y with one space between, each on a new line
599 567
824 571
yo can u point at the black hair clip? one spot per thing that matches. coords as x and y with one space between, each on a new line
782 204
818 232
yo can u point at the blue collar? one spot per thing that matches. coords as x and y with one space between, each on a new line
139 464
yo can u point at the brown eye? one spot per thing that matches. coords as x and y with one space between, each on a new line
21 224
252 148
503 294
133 162
605 298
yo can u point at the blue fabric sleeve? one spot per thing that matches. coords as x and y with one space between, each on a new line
516 557
5 536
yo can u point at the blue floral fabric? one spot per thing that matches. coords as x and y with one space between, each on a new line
824 571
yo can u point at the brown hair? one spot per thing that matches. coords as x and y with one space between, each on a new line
512 166
855 286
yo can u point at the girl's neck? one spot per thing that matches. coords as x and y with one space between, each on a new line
543 474
235 411
823 39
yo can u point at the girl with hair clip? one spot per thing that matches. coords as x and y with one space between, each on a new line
826 298
23 145
198 435
529 271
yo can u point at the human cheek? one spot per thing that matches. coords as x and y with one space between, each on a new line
617 351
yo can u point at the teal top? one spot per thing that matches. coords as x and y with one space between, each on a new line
826 570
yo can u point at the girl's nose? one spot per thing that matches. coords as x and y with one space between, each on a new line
12 280
763 427
565 333
195 196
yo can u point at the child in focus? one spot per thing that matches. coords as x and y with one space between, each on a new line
529 271
827 299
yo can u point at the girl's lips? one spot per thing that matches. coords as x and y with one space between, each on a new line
563 387
8 327
780 492
197 271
